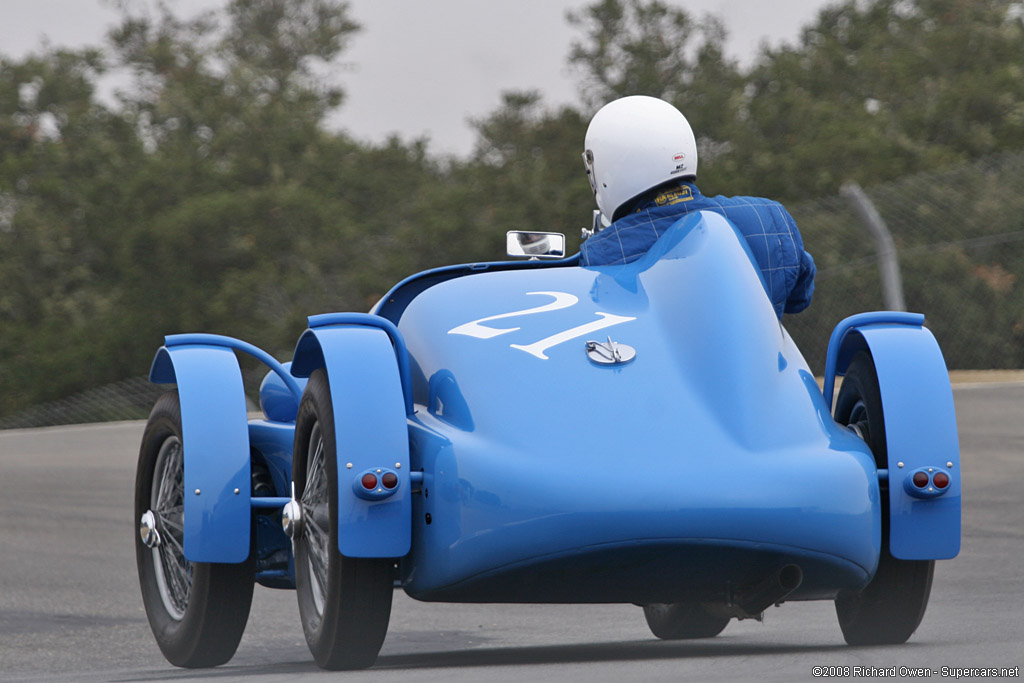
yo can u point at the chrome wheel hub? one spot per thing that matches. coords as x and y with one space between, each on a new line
291 517
147 530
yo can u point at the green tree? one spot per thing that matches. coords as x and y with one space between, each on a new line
879 90
62 157
527 172
197 203
234 217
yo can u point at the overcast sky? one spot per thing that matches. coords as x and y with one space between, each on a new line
423 67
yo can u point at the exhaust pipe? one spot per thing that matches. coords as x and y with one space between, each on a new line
774 588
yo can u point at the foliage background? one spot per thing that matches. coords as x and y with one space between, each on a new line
213 197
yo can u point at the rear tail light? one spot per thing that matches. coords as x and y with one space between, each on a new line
927 482
376 483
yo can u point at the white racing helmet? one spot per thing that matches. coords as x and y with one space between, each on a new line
634 144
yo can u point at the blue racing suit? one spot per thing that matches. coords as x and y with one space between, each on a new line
770 231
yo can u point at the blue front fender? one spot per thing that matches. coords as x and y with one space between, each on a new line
216 448
367 370
920 427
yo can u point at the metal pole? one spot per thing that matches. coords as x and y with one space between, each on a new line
892 284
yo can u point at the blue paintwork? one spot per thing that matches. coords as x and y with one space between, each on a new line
842 344
370 408
216 448
279 402
238 345
392 305
268 503
273 443
920 430
308 357
529 473
217 440
716 435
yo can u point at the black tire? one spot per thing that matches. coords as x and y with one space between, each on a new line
681 620
344 602
890 608
197 611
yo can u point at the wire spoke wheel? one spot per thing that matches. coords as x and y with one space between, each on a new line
197 611
173 571
315 515
344 602
889 609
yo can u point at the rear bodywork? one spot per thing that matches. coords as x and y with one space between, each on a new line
698 467
528 472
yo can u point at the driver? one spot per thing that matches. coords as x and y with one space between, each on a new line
641 160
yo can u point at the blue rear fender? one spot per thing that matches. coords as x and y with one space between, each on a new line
217 444
367 370
216 448
920 427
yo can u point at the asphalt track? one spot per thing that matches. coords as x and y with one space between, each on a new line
70 608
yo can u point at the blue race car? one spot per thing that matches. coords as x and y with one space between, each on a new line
540 432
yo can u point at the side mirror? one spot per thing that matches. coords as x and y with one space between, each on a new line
535 244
